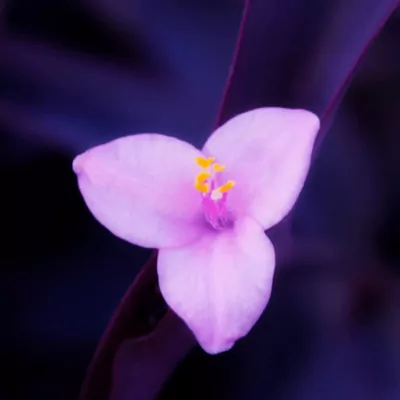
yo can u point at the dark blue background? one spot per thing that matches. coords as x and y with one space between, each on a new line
77 73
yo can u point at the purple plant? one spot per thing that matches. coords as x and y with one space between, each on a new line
206 211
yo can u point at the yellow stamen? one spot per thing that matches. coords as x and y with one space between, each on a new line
218 167
226 187
202 177
204 162
202 187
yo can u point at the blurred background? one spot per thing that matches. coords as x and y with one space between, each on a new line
80 72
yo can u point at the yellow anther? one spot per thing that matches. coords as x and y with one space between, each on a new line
204 162
202 187
218 167
226 187
202 177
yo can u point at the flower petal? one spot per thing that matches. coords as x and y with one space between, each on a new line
219 284
141 188
267 152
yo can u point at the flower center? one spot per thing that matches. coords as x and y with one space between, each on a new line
214 195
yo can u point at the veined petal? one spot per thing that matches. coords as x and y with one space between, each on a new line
267 152
219 284
141 188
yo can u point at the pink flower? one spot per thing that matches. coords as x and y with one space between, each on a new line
206 211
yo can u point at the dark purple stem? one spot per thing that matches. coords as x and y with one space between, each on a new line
283 58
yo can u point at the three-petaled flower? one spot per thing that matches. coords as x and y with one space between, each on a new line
206 211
